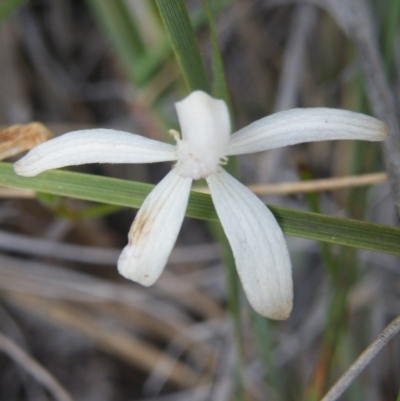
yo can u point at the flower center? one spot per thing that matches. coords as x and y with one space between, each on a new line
190 164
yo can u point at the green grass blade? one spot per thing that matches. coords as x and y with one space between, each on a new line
157 55
390 30
9 6
113 191
220 87
183 39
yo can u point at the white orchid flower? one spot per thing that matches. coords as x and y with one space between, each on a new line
257 242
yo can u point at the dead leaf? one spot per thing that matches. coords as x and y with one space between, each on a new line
22 137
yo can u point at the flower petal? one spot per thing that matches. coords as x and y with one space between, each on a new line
93 146
205 126
258 245
155 229
305 125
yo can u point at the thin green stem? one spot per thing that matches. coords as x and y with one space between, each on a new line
262 331
183 39
220 87
390 30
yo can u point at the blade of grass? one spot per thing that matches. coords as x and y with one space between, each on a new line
157 55
336 230
390 29
140 66
220 87
183 39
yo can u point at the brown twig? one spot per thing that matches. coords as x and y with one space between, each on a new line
363 360
14 193
314 185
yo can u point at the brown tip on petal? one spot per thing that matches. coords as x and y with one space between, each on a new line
130 268
385 131
283 313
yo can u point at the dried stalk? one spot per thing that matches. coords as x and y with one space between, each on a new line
302 24
28 245
36 370
325 184
363 360
116 341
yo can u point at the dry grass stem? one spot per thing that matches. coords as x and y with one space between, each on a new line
16 193
53 282
36 370
326 184
111 339
303 21
363 360
27 245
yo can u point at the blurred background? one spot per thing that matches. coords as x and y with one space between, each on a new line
74 64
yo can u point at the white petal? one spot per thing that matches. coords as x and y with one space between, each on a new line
93 146
258 245
205 125
305 125
155 229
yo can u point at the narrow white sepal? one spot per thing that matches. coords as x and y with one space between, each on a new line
305 125
206 127
258 245
93 146
155 230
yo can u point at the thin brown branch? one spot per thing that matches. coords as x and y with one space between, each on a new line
327 184
6 192
28 245
363 360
